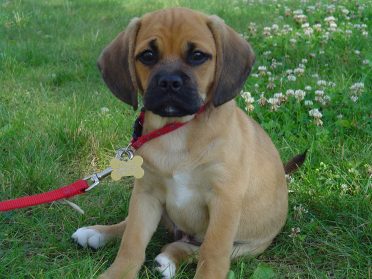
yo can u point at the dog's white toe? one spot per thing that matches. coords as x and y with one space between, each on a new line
166 266
89 237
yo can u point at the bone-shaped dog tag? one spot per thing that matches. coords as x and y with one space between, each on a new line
127 168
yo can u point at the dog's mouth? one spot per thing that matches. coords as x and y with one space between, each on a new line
173 109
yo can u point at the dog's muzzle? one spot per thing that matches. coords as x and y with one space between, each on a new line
172 94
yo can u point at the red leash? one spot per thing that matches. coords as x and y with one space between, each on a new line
71 190
82 186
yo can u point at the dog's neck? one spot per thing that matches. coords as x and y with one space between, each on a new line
154 121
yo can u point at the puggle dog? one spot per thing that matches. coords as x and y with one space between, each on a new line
217 181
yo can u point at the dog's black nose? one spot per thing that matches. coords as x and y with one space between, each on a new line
170 81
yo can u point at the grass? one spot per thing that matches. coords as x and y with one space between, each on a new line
54 129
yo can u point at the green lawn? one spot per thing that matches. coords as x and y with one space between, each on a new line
58 123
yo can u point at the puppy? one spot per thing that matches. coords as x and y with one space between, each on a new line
218 180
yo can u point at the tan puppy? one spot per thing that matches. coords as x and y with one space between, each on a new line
219 179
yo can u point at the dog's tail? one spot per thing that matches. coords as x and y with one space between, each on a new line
295 163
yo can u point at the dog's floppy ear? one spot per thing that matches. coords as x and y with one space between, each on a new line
235 59
116 64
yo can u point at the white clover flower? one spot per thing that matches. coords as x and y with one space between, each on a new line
286 29
332 26
326 100
299 17
104 110
271 84
290 180
317 115
321 98
365 33
275 27
293 41
305 25
299 71
262 70
272 101
247 97
308 103
289 72
267 53
316 76
331 8
262 100
357 52
344 188
310 9
281 97
319 93
354 98
325 38
348 32
290 92
287 11
292 78
331 84
321 83
300 209
357 87
308 88
254 75
317 27
365 62
267 31
275 64
250 107
275 103
249 100
330 19
308 31
303 61
294 232
299 95
252 28
298 12
345 11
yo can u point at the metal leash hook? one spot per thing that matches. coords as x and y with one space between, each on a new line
97 177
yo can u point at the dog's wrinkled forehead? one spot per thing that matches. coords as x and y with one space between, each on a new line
172 31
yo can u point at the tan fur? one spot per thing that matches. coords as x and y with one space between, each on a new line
219 178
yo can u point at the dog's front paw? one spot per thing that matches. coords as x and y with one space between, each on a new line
166 266
89 237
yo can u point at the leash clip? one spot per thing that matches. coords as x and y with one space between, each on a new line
97 177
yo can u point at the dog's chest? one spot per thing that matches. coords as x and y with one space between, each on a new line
180 189
185 203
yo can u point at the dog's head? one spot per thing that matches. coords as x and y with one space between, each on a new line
178 59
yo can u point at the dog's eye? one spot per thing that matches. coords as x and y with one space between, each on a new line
196 58
148 57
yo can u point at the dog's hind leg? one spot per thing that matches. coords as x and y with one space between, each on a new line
175 253
248 249
97 236
172 255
